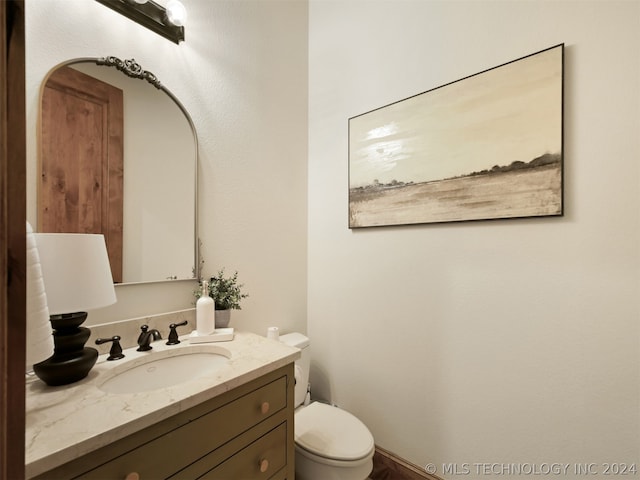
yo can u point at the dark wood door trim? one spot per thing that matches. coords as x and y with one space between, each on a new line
12 239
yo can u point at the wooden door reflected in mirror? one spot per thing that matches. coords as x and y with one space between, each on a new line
81 175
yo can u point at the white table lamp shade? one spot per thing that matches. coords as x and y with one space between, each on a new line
76 272
39 331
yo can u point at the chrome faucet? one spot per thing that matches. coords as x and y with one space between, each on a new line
146 337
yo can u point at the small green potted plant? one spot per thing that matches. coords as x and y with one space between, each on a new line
227 295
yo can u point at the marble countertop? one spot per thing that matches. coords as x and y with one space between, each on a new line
66 422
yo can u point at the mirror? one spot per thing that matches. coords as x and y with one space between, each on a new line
145 202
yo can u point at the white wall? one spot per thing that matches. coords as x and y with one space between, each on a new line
242 74
505 341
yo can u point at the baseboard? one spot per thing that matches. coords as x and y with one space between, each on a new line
388 466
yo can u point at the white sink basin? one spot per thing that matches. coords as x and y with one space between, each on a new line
162 372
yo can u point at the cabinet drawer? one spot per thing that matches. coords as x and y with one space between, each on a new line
259 460
163 456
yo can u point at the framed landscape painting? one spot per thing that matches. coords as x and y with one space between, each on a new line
488 146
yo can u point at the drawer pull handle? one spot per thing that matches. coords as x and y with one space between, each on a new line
132 476
264 408
264 465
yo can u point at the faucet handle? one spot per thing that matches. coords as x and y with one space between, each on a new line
173 334
143 331
116 350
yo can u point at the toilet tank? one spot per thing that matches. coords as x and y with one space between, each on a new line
303 364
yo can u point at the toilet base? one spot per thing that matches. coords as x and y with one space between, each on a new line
307 468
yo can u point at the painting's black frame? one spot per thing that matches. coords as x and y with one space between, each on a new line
561 209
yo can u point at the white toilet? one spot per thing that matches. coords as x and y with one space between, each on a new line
331 444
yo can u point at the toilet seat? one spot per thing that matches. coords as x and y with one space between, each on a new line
332 434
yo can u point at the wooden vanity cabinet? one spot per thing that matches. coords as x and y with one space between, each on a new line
245 433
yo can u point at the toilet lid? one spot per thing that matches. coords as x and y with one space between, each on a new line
332 433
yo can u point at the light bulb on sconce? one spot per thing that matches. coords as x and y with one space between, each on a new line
176 13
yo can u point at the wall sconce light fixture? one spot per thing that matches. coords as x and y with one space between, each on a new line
168 22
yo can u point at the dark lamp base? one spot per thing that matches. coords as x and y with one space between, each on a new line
65 369
71 361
